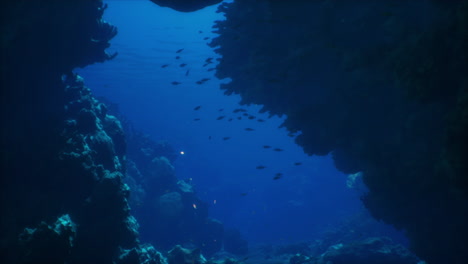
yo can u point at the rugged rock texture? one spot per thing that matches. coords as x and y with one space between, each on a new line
382 90
186 5
62 155
168 209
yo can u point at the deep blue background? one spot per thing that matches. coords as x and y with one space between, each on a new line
308 200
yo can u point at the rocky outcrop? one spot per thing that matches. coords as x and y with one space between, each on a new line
62 155
379 89
186 5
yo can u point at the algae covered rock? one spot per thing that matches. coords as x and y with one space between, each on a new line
48 243
180 255
371 250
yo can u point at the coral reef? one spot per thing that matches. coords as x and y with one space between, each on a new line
168 209
180 255
382 91
370 250
62 156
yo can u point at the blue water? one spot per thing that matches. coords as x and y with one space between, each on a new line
308 200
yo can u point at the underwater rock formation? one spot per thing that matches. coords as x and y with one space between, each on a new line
62 156
381 90
370 250
186 5
168 209
180 255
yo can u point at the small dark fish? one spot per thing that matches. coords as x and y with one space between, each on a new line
179 51
226 138
245 114
230 119
209 137
199 82
220 117
187 72
251 117
205 79
277 149
297 163
205 38
206 64
175 83
183 65
196 119
177 57
243 194
266 147
221 109
164 65
261 167
291 135
197 108
249 129
239 117
199 31
237 110
260 120
211 69
278 176
209 60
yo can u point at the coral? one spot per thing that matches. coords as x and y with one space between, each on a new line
370 250
48 243
180 255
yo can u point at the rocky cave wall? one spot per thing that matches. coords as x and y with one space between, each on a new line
380 88
63 157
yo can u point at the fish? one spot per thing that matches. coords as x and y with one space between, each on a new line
266 146
245 114
251 117
226 138
239 117
260 120
209 137
175 83
209 60
197 107
237 110
196 119
205 79
249 129
297 163
278 176
187 72
260 167
199 82
206 64
243 194
177 57
211 69
277 149
290 135
179 50
221 109
164 65
205 38
183 65
220 117
230 119
199 31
